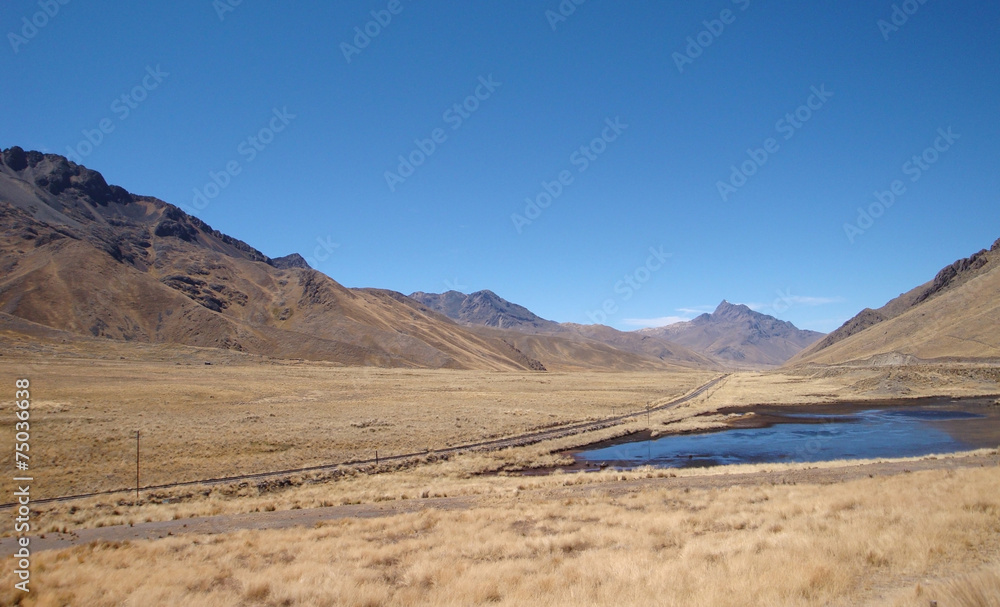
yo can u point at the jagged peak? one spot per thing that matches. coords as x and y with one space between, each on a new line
290 261
486 293
729 309
84 198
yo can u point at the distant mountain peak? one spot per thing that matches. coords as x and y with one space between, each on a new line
592 342
739 334
290 261
84 258
728 309
483 308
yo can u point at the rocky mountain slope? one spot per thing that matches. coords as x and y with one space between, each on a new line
738 336
82 257
487 309
954 316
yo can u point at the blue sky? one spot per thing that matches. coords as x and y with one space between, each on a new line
619 118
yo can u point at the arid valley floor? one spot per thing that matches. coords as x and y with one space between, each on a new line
515 304
447 526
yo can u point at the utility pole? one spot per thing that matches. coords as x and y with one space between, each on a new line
136 467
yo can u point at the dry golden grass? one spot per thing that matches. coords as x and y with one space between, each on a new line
958 322
468 474
196 421
860 542
448 478
200 421
981 589
824 385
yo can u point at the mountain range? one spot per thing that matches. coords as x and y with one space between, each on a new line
485 308
733 335
739 336
87 258
80 257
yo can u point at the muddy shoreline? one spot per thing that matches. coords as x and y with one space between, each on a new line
768 415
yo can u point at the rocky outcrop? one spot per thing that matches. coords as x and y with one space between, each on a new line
484 308
950 277
289 262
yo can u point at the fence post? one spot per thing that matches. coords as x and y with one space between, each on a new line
136 467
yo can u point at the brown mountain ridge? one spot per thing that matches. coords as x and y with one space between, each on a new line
738 336
487 309
953 317
84 257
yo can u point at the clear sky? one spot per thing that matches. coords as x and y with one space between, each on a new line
620 119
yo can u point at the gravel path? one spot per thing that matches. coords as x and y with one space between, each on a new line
313 516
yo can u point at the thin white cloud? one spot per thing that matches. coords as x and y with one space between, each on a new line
650 323
688 314
779 305
825 325
697 310
815 301
786 300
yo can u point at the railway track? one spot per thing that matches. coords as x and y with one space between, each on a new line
519 440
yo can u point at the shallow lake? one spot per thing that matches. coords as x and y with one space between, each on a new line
817 433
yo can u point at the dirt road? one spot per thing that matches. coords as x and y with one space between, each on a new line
519 440
311 517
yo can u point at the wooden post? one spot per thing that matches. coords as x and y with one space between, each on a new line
376 457
136 467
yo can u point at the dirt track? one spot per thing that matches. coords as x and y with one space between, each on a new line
311 517
520 440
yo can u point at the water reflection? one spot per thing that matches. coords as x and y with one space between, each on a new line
812 437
